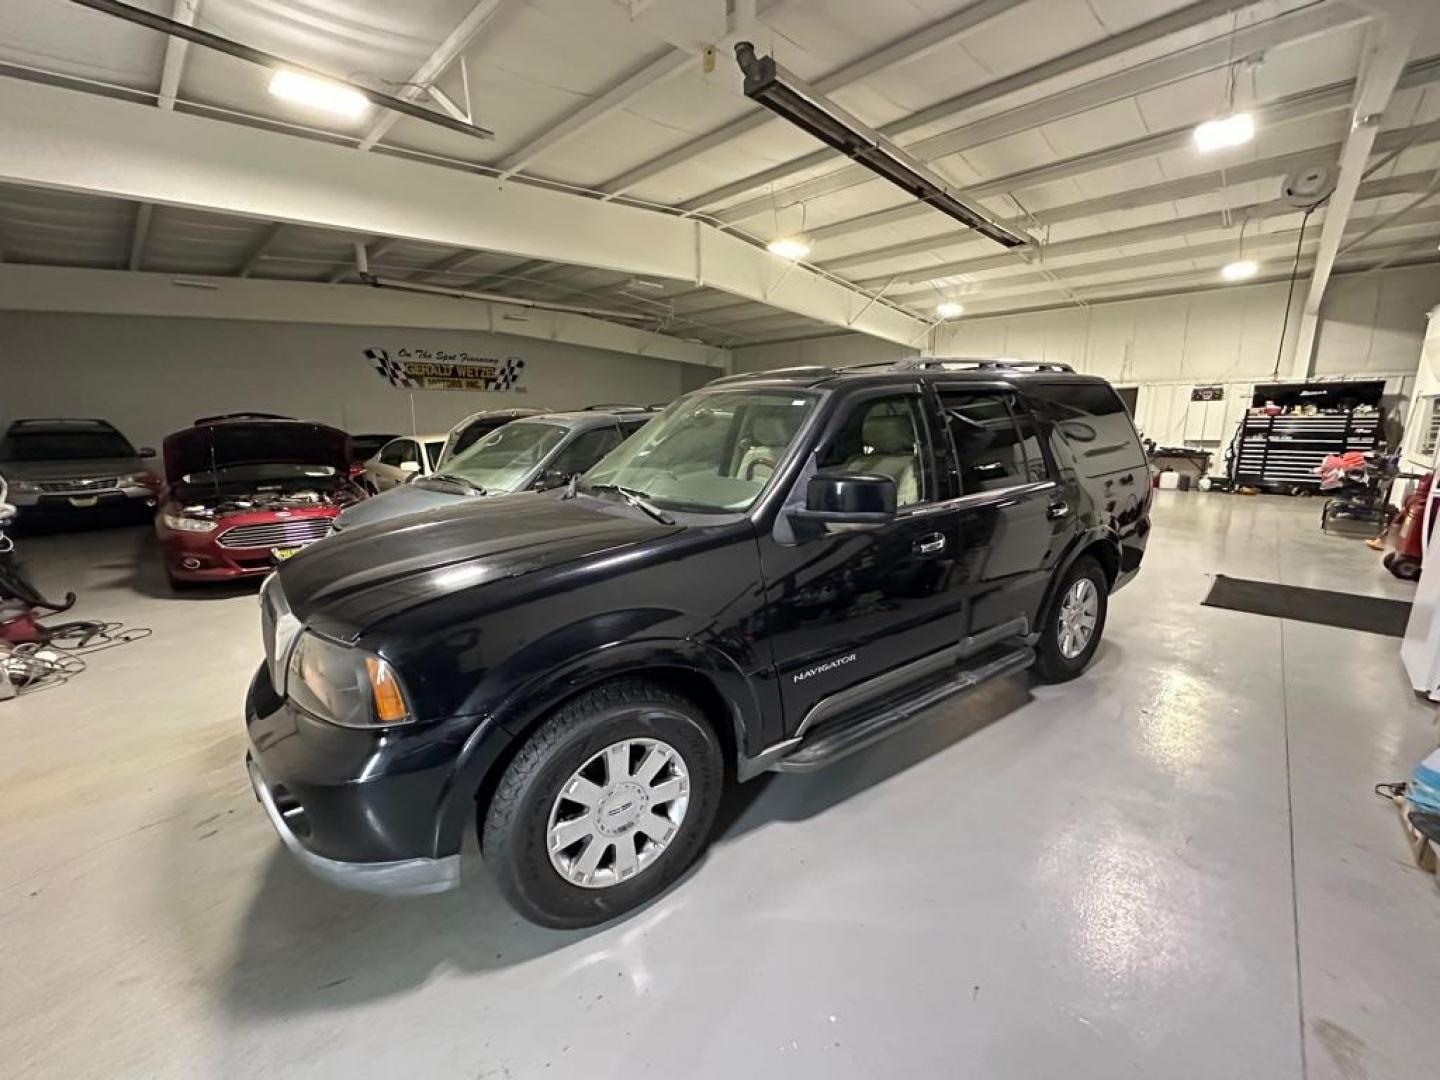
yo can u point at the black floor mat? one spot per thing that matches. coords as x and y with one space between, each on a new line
1373 614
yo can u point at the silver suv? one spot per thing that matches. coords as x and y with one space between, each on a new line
535 453
75 469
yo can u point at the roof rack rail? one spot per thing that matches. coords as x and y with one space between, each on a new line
927 364
617 407
803 369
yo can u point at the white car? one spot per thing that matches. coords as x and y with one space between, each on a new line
401 460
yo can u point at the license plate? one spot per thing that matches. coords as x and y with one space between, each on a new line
83 500
281 554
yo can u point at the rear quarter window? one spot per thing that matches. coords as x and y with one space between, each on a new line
1092 425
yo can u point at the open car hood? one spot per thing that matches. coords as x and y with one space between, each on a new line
259 442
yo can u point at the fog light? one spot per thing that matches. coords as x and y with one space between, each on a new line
190 562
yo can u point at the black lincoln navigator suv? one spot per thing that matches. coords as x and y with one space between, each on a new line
777 571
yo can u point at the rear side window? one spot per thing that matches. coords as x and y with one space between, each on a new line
996 445
1093 422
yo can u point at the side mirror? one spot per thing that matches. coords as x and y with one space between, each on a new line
147 451
410 466
856 500
549 480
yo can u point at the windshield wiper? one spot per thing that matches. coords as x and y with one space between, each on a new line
636 499
454 478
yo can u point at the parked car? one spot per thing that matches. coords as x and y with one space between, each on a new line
365 446
244 495
780 570
401 460
76 469
476 426
534 454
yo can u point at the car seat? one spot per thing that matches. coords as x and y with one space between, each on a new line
769 436
891 439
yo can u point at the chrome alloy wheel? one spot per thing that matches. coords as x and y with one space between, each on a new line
617 813
1079 611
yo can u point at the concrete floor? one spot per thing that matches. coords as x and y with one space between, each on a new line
1174 867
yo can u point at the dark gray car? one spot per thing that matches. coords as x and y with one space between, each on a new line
75 469
536 453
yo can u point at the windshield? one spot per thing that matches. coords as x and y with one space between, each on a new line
259 474
501 460
64 446
710 453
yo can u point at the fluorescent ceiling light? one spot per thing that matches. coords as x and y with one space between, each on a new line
788 247
1239 271
809 110
950 310
1231 130
322 94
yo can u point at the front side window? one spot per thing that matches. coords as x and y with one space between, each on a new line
502 459
711 452
882 437
996 445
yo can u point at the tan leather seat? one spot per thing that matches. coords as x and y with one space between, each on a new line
769 437
891 438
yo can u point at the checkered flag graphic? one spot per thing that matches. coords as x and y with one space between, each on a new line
391 370
508 374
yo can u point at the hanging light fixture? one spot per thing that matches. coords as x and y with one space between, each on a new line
793 248
1233 130
949 309
1239 270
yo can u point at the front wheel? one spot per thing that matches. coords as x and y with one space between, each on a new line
604 806
1073 625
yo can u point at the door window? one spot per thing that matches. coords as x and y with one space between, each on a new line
585 451
883 436
996 444
398 452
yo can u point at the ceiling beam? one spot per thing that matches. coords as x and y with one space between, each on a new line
1207 56
143 213
440 268
1387 48
75 141
615 97
267 238
172 68
903 50
445 54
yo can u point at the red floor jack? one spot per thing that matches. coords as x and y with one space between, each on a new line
20 602
1404 562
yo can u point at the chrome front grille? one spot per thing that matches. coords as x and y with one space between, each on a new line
80 487
275 534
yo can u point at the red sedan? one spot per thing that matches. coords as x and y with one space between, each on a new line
245 494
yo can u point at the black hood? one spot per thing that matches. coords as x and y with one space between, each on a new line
353 578
205 447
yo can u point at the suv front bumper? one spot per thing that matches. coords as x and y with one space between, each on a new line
344 803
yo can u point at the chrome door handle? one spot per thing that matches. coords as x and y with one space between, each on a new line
1057 510
930 545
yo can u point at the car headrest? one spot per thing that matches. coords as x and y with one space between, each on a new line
888 433
769 430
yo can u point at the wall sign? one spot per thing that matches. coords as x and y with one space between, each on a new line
1207 393
437 369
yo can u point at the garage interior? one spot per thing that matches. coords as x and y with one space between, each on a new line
1177 864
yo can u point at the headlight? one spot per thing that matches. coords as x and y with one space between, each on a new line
186 524
28 487
144 479
345 685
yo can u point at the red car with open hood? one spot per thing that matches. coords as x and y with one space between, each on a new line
245 494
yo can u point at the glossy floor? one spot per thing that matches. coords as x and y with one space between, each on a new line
1174 867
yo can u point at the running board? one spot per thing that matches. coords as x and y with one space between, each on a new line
824 747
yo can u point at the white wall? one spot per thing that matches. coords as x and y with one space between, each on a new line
151 376
1372 326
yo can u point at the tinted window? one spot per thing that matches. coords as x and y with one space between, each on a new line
1093 422
585 451
994 448
473 433
434 450
64 446
882 437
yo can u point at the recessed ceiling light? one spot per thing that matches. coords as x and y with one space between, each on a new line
322 94
949 310
1239 271
788 247
1231 130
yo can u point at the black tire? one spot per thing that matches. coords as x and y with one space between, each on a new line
1051 664
514 825
1405 569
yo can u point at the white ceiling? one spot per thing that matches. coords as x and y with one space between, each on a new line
1032 84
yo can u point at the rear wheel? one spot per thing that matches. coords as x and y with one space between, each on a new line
605 805
1071 631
